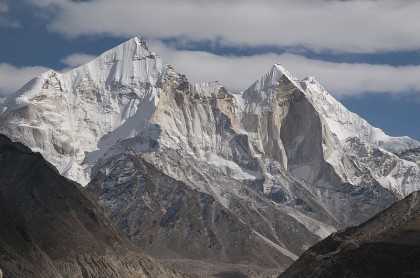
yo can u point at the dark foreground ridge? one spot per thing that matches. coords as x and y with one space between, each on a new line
388 245
49 228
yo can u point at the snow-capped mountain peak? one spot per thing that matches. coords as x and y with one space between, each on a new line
73 114
271 79
130 63
345 124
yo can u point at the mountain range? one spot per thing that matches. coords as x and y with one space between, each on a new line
206 180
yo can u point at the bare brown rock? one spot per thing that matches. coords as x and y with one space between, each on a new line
388 245
49 228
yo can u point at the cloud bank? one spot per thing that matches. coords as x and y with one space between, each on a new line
12 78
340 79
359 26
77 59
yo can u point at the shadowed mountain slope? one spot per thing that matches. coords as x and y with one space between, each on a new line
388 245
49 228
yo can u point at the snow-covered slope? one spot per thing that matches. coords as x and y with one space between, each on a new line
354 140
345 124
283 158
74 118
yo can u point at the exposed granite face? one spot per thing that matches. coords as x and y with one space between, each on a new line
176 223
388 245
49 228
261 164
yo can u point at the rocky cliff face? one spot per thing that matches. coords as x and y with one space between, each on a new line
385 246
49 228
283 162
182 226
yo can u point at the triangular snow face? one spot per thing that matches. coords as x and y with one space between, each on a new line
345 124
271 79
354 147
64 116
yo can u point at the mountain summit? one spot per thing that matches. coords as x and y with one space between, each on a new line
280 165
64 116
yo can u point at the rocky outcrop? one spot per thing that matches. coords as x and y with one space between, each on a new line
385 246
175 222
49 228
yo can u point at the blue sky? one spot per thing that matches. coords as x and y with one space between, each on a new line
365 53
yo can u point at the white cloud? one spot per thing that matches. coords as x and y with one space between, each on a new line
234 72
77 59
359 26
12 78
354 79
340 79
